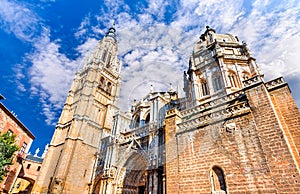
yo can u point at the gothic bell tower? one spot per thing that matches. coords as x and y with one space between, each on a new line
85 119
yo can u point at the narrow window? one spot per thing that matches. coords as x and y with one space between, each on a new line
210 37
232 79
205 90
108 60
28 166
217 180
217 83
38 168
104 55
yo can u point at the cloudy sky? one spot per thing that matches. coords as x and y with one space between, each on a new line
44 42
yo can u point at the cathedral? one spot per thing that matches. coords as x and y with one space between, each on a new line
231 133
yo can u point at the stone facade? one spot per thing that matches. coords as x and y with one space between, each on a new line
231 133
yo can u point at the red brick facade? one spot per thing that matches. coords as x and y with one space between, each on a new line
255 144
24 138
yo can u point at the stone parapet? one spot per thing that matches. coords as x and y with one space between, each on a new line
275 83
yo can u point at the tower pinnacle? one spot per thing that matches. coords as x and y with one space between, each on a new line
111 33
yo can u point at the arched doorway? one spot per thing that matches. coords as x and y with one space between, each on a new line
217 180
135 177
23 185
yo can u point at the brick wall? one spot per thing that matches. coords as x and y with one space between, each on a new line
289 116
256 155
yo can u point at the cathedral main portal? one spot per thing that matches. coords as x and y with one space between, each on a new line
135 174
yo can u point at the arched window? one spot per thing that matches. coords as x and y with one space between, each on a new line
217 180
102 82
136 121
233 80
108 88
204 86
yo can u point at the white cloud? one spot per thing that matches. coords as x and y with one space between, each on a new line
51 69
82 28
19 76
272 32
16 18
51 72
155 52
51 76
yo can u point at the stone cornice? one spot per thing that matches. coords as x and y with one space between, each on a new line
87 119
63 125
214 111
211 117
213 103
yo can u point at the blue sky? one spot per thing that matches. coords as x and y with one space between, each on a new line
44 42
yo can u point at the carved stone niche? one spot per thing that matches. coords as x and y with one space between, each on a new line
230 127
57 185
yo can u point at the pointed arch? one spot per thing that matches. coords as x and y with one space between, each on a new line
108 87
131 169
135 121
245 75
102 82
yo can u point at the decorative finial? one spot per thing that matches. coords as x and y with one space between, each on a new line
209 29
36 152
171 88
45 150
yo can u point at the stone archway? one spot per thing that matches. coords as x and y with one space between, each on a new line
134 174
23 185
